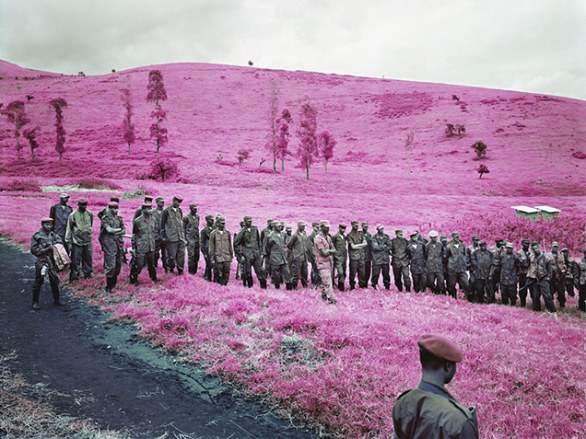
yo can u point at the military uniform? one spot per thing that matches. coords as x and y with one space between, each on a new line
457 267
144 247
356 256
430 412
315 277
367 255
510 264
191 226
299 257
524 257
580 282
247 246
221 254
470 250
381 249
483 268
569 280
42 248
400 263
416 254
276 248
79 237
434 265
174 236
558 277
539 275
340 258
60 213
325 264
204 243
160 251
113 246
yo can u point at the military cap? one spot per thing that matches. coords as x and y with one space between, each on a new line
192 205
178 198
342 226
398 231
443 237
82 200
455 233
208 217
220 217
46 219
300 223
379 227
414 233
288 228
247 218
525 241
113 204
509 245
555 244
475 238
64 195
482 242
354 222
314 224
148 197
441 347
565 250
364 224
270 220
498 241
116 199
324 223
433 234
281 223
159 199
146 205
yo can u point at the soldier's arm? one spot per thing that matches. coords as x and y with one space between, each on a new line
36 247
576 269
212 247
52 214
68 230
230 246
292 242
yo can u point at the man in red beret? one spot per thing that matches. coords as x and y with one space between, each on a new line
429 411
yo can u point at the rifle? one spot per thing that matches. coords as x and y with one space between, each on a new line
530 281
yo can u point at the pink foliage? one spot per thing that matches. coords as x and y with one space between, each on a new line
156 88
164 168
327 144
157 93
307 150
30 134
128 128
15 113
58 104
283 135
243 154
483 169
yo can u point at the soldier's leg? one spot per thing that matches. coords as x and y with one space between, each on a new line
196 257
523 289
225 272
582 298
136 267
276 275
386 276
441 282
286 276
87 259
327 291
208 270
464 284
339 265
560 291
171 250
54 281
303 273
353 272
569 284
38 283
191 257
397 272
180 258
496 277
376 269
480 286
75 262
535 292
152 268
406 278
452 280
472 281
362 279
367 272
295 272
547 297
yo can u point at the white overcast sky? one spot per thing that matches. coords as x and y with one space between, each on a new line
527 45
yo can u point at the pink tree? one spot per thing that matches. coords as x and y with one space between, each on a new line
327 144
271 144
283 136
156 93
58 104
16 115
482 169
127 125
163 168
31 135
307 149
243 154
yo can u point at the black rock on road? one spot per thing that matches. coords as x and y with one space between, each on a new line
101 371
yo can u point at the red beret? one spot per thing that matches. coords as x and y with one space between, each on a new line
112 204
46 219
441 347
82 200
147 205
178 197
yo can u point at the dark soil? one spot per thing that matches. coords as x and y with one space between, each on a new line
101 370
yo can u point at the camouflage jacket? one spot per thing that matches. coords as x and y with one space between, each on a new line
510 264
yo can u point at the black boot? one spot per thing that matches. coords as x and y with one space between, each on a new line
250 281
244 281
289 286
341 286
263 284
277 285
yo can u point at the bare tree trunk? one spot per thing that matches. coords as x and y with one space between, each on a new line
128 148
283 165
326 166
33 153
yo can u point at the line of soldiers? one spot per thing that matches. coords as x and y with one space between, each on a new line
276 252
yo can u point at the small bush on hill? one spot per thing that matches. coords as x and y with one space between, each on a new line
480 149
579 155
243 154
163 168
21 186
483 169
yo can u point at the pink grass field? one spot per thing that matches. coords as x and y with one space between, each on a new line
338 368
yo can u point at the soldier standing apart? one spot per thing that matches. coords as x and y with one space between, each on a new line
429 411
483 269
457 266
381 249
221 253
315 279
276 248
510 264
160 251
580 282
524 259
60 214
434 264
247 247
144 244
400 261
204 242
469 254
356 245
416 255
78 236
341 255
558 274
111 239
539 275
174 235
298 250
191 226
367 253
42 243
569 281
324 251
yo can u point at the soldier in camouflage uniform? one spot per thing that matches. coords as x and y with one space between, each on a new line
524 257
221 252
341 255
483 267
539 275
381 250
497 251
42 243
469 253
510 265
416 255
315 278
191 227
138 212
457 266
444 242
204 243
580 282
324 250
276 248
174 235
367 252
264 236
558 274
60 214
247 246
356 253
434 259
78 236
111 239
144 244
569 281
400 261
299 248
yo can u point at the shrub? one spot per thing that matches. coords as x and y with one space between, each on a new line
243 154
454 130
579 155
22 186
480 149
163 168
483 169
